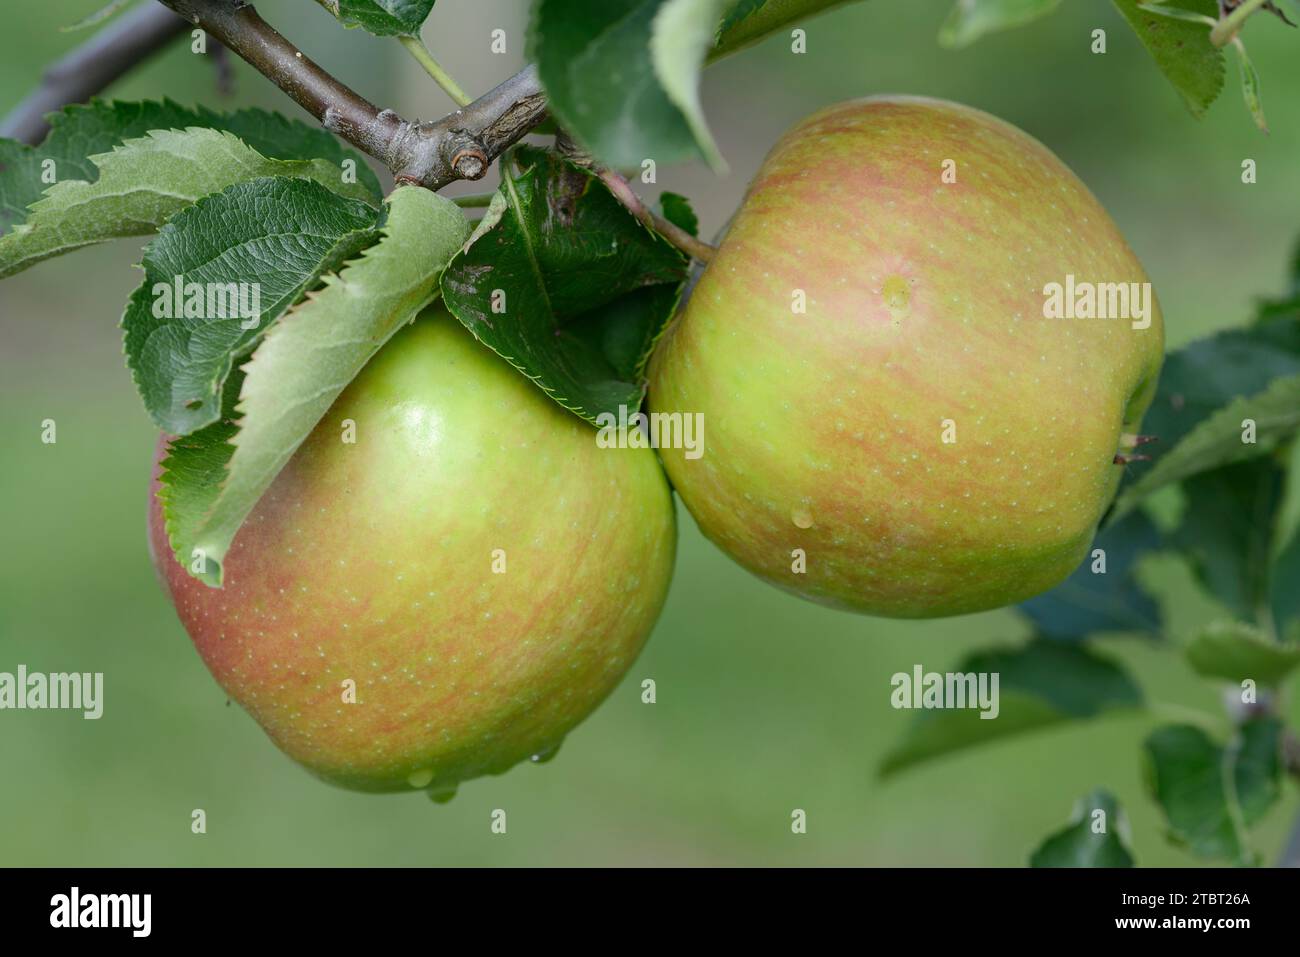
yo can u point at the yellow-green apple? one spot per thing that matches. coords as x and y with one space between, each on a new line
898 420
446 595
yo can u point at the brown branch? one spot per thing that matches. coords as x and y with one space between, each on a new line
623 192
111 52
460 146
697 249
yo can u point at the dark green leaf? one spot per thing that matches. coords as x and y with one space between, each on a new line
270 239
1091 601
740 10
1211 794
1220 439
81 131
1041 684
1182 50
1097 836
1286 585
20 182
677 210
383 18
1228 531
750 21
1236 651
585 288
623 75
972 19
1285 310
1203 377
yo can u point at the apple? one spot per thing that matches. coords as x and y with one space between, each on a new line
895 424
449 594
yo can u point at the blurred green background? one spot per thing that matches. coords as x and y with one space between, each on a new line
765 703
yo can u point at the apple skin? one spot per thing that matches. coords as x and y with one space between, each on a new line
373 562
924 304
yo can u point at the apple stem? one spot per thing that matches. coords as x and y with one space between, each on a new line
1226 29
691 245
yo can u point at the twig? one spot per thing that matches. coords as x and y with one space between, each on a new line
91 67
623 192
459 146
1227 27
415 46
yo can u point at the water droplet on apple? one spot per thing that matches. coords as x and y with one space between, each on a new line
546 754
420 778
442 795
802 518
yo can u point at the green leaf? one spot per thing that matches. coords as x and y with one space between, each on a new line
623 75
20 182
1250 85
972 19
193 472
750 21
1182 49
561 281
214 478
1042 684
677 210
141 184
1236 651
1203 377
1111 600
683 32
1217 441
1097 836
261 243
1228 531
1286 585
81 131
1210 794
740 10
383 18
